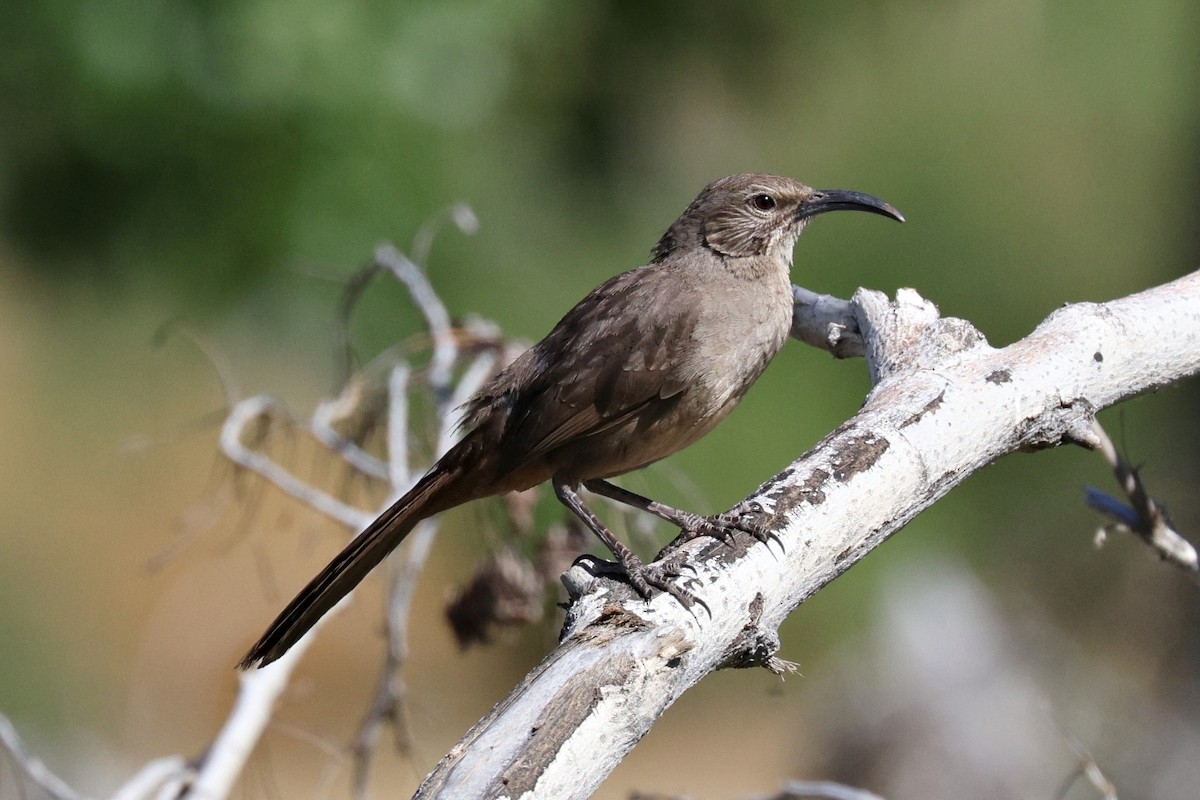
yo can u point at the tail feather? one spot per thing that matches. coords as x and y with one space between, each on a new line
349 567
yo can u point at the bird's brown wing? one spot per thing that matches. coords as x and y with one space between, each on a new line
599 367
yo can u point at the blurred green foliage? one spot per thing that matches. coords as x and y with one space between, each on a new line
203 146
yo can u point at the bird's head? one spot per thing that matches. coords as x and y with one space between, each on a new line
752 215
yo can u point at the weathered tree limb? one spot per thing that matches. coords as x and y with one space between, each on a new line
826 323
944 404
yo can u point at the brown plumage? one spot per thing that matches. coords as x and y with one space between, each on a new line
643 366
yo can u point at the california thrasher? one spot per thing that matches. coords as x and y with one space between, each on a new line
648 363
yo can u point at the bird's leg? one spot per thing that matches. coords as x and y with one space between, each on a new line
718 526
641 576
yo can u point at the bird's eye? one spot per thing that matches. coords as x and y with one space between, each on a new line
763 202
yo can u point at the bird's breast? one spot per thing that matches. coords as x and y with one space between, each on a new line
734 329
738 339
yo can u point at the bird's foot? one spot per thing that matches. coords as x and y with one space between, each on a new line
725 526
665 575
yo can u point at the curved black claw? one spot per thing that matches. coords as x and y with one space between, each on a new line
663 575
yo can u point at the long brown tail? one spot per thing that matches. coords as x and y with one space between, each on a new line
351 565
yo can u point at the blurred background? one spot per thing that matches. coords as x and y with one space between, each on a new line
231 164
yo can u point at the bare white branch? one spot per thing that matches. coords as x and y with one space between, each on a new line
944 404
826 323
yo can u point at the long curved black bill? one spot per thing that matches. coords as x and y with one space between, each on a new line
823 200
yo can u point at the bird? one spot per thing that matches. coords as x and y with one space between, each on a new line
643 366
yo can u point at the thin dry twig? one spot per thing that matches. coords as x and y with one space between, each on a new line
390 378
252 410
792 790
802 790
437 319
337 409
460 215
29 772
387 706
1144 517
1088 769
